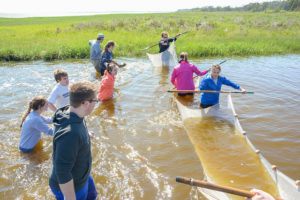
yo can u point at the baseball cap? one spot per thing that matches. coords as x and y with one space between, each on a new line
100 36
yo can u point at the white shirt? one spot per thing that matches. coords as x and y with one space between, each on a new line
59 96
215 81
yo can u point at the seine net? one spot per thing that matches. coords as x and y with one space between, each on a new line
166 59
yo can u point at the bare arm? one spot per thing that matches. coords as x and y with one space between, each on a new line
52 107
68 190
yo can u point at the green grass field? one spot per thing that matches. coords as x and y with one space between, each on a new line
211 34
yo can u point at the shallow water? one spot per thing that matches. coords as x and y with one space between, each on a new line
141 145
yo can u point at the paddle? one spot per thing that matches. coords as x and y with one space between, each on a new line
158 43
208 91
219 64
211 186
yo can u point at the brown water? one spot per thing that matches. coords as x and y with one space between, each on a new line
141 145
226 157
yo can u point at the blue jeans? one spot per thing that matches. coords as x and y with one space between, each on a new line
88 192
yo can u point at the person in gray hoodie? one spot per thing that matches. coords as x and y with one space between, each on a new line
72 159
95 54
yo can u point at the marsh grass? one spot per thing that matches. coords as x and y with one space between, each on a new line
211 34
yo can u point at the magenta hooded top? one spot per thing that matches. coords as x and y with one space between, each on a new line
182 76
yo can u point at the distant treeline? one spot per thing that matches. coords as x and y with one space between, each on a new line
289 5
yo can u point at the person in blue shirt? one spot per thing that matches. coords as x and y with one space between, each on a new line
33 124
107 56
95 54
214 82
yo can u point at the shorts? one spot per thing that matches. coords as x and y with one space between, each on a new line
96 64
88 192
205 106
184 94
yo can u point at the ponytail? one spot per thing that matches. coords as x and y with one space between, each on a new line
184 57
108 44
34 104
29 107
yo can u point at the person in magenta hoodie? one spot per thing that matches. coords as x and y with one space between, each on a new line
182 75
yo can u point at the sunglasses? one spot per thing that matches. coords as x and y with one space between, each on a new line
94 100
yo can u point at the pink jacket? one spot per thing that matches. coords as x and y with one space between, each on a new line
182 76
106 87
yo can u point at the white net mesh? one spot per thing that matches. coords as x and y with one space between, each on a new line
168 58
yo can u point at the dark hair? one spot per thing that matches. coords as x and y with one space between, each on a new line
184 56
110 67
108 44
34 104
59 73
82 91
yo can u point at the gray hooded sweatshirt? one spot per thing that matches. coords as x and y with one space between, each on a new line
72 158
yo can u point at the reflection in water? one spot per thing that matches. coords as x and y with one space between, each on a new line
225 155
37 155
140 144
106 109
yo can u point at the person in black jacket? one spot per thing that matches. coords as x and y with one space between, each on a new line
164 42
72 158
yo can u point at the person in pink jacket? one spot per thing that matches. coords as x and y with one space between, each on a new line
108 82
182 75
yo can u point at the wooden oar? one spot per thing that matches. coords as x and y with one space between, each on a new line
208 91
158 43
211 186
219 64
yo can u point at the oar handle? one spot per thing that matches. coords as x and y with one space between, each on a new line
211 186
158 43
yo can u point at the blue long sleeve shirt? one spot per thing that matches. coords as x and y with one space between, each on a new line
106 58
209 84
95 50
32 127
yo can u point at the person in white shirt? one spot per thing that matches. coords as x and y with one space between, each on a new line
59 96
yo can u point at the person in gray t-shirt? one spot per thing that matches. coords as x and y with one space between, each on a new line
96 51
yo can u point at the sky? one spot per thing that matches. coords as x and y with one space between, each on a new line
67 7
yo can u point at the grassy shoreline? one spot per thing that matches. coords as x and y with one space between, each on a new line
211 34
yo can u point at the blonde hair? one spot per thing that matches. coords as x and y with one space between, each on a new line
184 56
34 104
108 44
59 73
216 66
163 33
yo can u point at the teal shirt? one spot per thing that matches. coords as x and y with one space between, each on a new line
72 158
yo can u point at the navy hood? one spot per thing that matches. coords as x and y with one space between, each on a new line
62 119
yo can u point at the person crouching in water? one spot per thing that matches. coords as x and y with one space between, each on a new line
107 56
182 75
108 82
214 82
33 124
